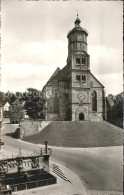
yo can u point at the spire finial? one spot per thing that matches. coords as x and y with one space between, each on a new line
77 21
77 13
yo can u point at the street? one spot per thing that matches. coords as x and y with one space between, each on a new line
98 168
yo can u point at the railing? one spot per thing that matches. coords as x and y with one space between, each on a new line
33 184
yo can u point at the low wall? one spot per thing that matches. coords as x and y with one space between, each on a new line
30 127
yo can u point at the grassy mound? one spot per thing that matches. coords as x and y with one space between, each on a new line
78 134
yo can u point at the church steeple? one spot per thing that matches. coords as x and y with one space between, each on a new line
77 38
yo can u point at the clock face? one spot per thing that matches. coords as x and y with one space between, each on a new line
81 96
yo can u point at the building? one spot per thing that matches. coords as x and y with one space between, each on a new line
6 109
74 93
17 112
6 106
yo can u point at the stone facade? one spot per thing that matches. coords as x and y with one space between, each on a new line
73 93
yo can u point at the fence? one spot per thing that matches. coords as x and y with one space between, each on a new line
33 184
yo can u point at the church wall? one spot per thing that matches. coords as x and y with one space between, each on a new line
76 110
52 117
52 95
94 82
79 84
80 55
80 96
63 99
97 116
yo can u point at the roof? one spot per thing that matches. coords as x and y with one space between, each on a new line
60 76
7 104
55 73
96 79
79 28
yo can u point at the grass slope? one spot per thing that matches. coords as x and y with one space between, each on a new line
78 134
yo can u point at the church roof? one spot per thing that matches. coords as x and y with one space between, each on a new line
61 75
54 74
96 79
77 27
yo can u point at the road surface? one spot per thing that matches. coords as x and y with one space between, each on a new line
98 168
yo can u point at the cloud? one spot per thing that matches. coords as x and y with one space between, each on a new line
23 76
34 40
33 64
106 60
113 83
38 53
40 61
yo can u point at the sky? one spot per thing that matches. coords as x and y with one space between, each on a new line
34 41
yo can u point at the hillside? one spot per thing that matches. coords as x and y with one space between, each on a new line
78 134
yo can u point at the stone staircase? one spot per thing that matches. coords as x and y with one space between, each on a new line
79 134
58 171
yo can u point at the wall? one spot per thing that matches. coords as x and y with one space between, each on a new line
97 116
29 127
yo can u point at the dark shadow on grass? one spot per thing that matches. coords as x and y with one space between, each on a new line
15 134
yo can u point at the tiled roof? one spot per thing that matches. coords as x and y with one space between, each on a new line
61 75
54 74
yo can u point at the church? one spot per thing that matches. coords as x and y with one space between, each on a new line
74 93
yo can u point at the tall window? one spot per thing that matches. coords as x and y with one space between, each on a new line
77 60
83 61
80 61
83 78
77 77
94 101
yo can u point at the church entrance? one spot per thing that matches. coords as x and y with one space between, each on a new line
81 117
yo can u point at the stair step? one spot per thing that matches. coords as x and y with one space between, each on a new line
58 171
61 176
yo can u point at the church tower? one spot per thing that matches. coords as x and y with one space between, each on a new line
78 62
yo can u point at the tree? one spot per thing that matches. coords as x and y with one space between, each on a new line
34 103
115 110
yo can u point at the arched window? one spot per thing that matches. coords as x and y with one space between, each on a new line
94 101
83 78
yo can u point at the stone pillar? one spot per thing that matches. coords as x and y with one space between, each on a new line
73 115
15 188
46 118
19 165
46 162
46 158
